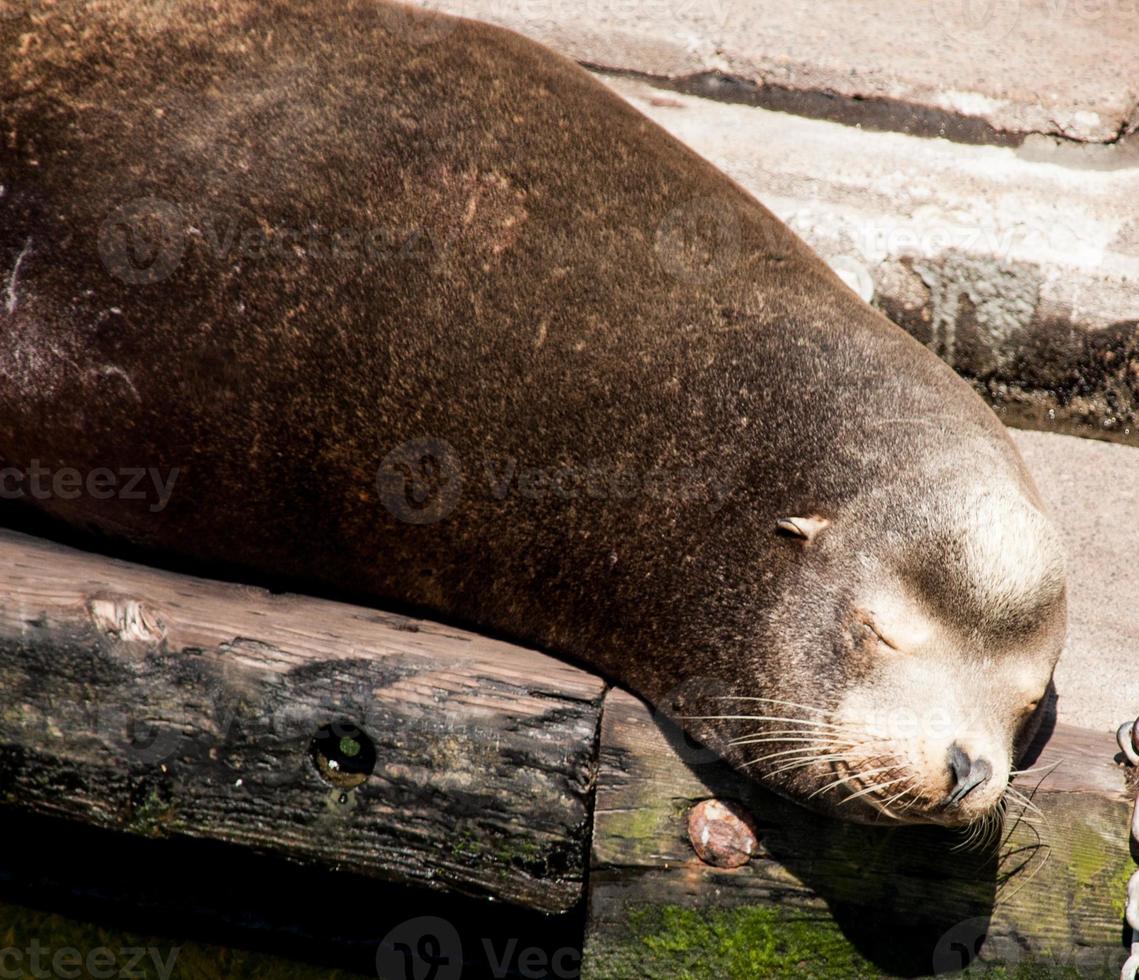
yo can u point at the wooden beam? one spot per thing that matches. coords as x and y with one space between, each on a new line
823 898
166 705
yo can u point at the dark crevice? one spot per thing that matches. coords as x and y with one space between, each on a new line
591 810
870 112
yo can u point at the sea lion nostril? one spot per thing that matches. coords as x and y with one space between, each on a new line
635 483
968 773
958 763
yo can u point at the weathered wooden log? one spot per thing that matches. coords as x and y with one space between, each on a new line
165 705
161 704
822 898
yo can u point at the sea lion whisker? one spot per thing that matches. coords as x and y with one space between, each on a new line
885 805
790 704
1018 818
1023 848
797 721
809 756
873 787
1028 850
804 744
913 802
1043 861
968 838
1036 786
983 831
1045 769
792 735
897 796
806 761
1024 801
853 775
993 821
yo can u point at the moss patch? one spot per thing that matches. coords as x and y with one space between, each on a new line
1026 971
766 941
727 944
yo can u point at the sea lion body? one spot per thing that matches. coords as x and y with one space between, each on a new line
415 308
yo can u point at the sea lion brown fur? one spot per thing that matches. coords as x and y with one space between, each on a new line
411 306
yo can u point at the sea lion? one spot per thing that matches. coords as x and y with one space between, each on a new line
411 306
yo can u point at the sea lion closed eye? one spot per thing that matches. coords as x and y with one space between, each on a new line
430 315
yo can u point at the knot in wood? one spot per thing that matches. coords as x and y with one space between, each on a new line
126 619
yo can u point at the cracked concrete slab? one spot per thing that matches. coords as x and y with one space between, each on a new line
1092 489
975 70
1017 261
1022 274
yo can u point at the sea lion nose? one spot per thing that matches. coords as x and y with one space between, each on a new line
967 773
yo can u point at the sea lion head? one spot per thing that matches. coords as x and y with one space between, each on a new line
908 653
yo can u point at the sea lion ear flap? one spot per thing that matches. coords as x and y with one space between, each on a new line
804 528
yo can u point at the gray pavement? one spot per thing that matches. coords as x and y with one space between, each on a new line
1092 488
992 68
1024 275
1017 261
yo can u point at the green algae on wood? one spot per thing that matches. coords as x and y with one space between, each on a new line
740 943
823 898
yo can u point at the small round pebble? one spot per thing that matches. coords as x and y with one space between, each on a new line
722 833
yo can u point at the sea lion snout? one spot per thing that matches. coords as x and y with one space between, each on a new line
968 773
929 651
864 575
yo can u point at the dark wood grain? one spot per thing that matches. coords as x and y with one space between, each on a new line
161 704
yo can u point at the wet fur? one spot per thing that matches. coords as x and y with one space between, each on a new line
534 321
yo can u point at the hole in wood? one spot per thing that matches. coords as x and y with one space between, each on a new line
343 754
